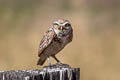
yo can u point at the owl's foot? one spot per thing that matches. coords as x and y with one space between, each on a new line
59 63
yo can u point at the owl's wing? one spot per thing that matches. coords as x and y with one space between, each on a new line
46 40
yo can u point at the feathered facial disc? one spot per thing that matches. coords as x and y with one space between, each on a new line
62 27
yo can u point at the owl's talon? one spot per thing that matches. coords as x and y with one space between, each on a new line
59 63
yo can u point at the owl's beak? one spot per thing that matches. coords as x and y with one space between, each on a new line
61 28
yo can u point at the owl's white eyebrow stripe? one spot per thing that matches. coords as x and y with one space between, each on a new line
57 22
65 23
61 24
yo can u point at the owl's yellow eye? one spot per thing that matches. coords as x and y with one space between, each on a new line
56 26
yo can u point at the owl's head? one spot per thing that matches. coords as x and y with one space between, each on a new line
61 27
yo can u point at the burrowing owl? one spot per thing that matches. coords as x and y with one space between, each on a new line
54 40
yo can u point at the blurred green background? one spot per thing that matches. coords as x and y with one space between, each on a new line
95 47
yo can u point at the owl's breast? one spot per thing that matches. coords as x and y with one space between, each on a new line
57 45
53 48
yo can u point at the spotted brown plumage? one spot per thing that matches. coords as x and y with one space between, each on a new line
54 40
46 40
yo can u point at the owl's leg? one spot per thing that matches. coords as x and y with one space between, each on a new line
49 63
56 59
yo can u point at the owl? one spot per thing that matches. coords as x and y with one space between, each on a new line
59 34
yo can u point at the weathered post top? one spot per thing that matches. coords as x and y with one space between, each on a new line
53 72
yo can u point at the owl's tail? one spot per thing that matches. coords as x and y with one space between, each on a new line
41 61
